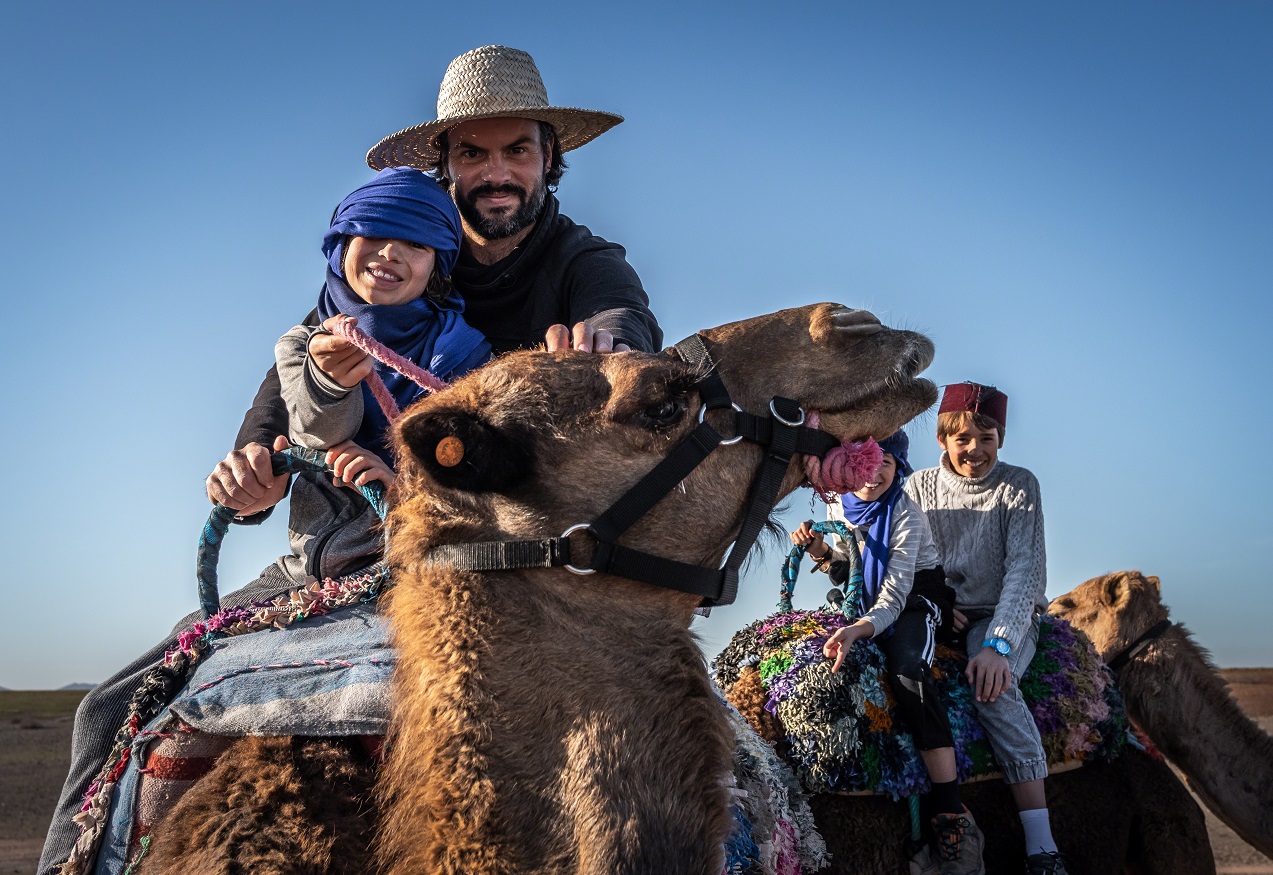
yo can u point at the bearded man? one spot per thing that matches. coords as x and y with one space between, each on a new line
525 272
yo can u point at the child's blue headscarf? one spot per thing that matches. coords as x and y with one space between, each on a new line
402 203
877 517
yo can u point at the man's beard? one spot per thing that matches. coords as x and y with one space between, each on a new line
500 227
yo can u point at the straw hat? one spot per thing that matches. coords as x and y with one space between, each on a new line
490 82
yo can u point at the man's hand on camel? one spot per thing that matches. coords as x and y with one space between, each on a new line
337 357
244 480
583 337
988 674
354 466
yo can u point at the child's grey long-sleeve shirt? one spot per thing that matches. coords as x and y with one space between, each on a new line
911 549
320 412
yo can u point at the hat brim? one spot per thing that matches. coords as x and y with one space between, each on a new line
413 147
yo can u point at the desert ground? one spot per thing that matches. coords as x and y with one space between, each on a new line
35 738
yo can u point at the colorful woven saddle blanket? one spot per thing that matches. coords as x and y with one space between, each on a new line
330 676
838 731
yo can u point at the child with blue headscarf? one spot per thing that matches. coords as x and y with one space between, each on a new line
904 603
390 250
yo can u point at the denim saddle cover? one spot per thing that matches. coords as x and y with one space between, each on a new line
326 676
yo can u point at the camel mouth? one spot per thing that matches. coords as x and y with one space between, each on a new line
877 410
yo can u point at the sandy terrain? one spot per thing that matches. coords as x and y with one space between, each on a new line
35 737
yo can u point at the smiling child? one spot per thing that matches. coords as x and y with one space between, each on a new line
987 520
904 603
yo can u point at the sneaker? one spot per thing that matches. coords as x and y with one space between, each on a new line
1045 864
959 844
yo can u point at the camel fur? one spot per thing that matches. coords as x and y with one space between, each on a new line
1175 695
552 723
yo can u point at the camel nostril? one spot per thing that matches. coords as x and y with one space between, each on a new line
862 322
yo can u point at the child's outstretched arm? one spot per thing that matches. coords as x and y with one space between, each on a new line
909 526
324 406
837 646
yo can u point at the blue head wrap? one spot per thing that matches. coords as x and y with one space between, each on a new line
400 203
877 516
898 445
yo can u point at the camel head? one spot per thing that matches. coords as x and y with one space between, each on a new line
537 442
1113 610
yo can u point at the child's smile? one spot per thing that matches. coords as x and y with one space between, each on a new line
972 451
881 482
387 271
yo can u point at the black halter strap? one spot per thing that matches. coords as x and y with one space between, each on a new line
782 433
1131 651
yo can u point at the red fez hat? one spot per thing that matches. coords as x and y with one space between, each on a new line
975 398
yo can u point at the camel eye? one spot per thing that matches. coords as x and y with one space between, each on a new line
665 413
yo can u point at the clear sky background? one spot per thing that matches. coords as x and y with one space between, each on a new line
1074 200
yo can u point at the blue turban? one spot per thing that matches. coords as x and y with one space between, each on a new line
400 203
898 445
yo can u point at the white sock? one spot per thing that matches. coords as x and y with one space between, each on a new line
1038 832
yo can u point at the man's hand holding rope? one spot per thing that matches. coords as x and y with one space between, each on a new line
244 480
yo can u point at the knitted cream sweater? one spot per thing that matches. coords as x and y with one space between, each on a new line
989 532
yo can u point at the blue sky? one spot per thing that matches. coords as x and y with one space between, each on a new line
1074 200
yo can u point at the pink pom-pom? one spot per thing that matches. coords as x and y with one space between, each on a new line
845 468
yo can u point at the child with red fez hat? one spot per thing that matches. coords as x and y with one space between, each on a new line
905 602
987 520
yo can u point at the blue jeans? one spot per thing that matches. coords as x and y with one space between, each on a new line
1009 724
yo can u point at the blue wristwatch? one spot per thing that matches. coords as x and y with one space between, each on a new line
1001 647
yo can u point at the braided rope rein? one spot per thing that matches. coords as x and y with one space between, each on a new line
346 329
853 588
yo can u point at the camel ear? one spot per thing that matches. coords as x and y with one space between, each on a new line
1153 581
1113 590
461 451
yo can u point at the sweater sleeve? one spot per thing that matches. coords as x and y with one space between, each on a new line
905 535
605 290
320 412
267 417
1025 562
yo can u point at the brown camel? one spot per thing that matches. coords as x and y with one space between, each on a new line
548 722
1174 694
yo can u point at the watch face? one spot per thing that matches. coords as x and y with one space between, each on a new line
1003 647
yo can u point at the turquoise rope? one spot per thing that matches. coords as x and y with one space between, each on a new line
290 461
791 568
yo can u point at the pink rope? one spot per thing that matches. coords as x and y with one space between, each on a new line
845 468
428 382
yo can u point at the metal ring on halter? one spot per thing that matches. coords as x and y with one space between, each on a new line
778 416
566 534
702 412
